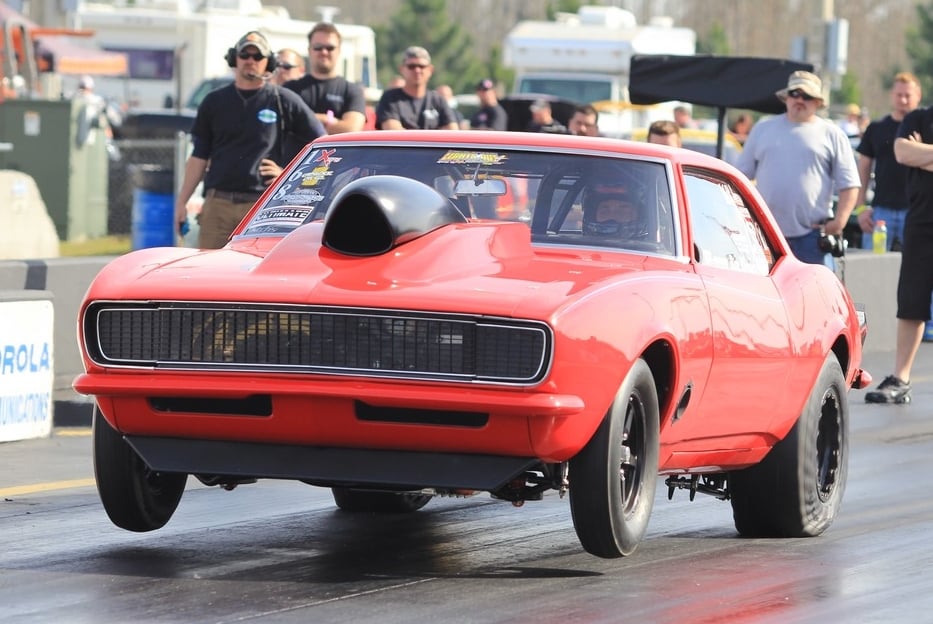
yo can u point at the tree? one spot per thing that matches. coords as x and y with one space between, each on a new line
715 42
920 46
562 6
848 91
425 23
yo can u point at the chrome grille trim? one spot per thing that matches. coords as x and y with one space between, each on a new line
315 339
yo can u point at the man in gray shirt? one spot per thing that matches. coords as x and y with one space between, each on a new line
798 161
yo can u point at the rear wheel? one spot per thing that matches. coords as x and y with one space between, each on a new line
135 497
796 491
350 499
613 479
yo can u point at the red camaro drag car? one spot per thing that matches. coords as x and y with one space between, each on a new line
413 314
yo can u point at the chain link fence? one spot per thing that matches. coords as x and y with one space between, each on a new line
128 152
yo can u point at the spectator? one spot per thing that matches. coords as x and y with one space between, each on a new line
542 120
95 112
337 103
851 124
876 152
912 149
684 118
446 92
413 106
799 160
289 65
241 129
584 121
491 115
664 132
740 127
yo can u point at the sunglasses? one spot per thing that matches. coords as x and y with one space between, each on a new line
286 66
320 47
797 93
256 56
414 66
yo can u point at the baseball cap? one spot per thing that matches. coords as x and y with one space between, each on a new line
485 85
416 52
255 39
86 82
539 104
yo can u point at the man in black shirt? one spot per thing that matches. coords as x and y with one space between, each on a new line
247 131
338 103
491 115
542 120
913 148
412 106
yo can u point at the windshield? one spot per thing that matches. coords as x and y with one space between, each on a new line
575 90
555 195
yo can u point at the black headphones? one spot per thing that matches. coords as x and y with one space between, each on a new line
230 57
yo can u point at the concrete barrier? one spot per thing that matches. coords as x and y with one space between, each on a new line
28 230
870 278
67 279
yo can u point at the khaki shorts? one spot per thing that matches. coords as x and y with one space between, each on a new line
220 215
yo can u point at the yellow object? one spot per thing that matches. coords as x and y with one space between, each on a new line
859 210
879 238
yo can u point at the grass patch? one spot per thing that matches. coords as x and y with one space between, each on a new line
105 246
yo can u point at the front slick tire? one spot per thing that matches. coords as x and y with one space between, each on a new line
135 497
797 489
613 479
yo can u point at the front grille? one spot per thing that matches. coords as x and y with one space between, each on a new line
341 341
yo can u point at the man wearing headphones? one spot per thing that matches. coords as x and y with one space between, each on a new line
248 131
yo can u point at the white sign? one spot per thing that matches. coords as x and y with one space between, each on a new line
27 373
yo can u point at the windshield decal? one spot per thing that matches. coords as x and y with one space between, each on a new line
461 157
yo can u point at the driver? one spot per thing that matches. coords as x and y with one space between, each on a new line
614 212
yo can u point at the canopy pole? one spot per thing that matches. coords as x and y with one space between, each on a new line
720 130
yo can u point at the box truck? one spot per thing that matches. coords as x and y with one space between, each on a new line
173 45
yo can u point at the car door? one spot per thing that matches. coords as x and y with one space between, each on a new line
750 333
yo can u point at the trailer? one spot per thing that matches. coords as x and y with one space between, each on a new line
173 45
586 57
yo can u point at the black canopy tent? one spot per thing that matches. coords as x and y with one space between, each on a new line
722 82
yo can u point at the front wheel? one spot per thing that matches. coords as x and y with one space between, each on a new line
350 499
135 497
796 490
613 479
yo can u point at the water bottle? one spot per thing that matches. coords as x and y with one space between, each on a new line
879 238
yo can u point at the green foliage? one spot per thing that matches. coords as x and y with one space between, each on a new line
425 23
919 45
848 91
562 6
714 42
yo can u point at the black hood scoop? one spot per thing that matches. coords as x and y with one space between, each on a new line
373 215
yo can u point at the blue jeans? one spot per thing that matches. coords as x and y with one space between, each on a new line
807 249
893 221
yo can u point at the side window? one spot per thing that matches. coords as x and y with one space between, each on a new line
726 232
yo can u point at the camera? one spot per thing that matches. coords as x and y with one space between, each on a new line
833 245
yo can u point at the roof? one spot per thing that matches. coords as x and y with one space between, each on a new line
68 57
61 53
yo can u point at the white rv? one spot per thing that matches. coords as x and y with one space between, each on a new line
585 57
173 45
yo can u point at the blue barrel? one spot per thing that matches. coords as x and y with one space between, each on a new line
153 223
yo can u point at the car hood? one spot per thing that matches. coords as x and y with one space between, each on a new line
477 267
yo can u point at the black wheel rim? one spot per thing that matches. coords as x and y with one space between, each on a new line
828 445
633 448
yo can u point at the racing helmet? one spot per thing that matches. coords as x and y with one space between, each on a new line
614 211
